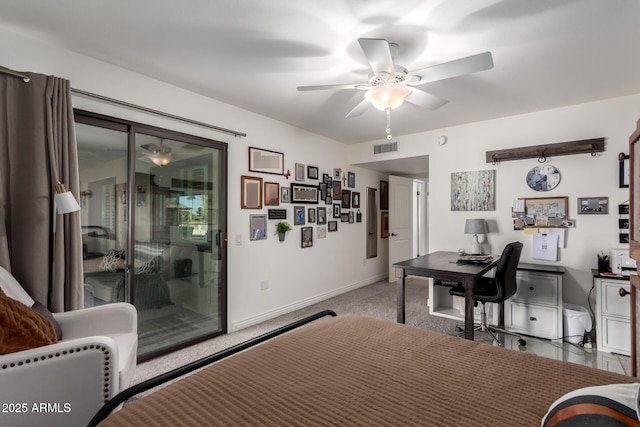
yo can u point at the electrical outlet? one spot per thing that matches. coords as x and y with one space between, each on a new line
264 285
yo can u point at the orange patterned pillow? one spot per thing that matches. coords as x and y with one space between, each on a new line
21 328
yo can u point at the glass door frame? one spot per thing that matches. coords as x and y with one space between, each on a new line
131 129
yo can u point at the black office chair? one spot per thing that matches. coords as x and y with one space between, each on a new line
496 289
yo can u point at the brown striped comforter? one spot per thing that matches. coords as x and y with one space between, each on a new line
359 371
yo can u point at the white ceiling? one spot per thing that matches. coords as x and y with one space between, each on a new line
254 53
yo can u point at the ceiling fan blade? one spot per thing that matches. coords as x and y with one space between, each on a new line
424 99
336 86
455 68
379 56
359 109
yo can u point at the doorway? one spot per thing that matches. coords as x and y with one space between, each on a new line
154 210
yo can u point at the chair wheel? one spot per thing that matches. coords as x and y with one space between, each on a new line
522 342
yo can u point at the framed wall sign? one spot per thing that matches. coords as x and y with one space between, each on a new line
266 161
303 193
593 205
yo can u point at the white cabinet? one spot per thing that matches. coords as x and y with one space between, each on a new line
613 310
536 307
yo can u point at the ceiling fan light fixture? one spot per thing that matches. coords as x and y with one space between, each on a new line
161 158
387 96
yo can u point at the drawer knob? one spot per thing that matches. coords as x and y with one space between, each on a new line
530 288
623 292
533 319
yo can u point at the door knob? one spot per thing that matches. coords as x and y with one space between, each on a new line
623 292
393 234
370 234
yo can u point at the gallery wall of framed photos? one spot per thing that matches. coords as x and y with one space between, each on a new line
311 201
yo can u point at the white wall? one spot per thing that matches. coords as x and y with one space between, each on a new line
581 176
296 276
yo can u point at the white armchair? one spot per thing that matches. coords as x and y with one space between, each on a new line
66 383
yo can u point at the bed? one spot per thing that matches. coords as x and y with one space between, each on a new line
360 371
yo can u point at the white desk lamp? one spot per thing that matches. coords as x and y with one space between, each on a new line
475 227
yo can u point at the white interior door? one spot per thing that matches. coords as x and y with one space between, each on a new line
401 222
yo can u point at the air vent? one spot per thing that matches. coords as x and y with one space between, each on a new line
385 148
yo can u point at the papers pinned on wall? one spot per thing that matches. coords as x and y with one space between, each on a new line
560 232
545 247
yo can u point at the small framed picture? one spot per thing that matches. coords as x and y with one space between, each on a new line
285 195
336 210
351 179
332 225
299 176
322 232
311 215
593 205
336 173
329 182
312 172
355 199
307 237
344 217
351 217
271 194
251 192
346 199
258 227
322 216
298 215
384 195
358 216
624 171
328 200
337 189
325 177
384 225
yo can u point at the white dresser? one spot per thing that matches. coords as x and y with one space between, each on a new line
613 311
536 307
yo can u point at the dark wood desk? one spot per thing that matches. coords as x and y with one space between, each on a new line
442 265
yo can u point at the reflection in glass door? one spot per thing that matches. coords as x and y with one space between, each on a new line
162 200
177 285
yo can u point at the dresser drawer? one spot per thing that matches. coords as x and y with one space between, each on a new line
616 335
536 288
612 302
539 321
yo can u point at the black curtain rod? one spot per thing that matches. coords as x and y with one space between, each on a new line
134 106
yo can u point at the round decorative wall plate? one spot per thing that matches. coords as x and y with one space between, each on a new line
543 178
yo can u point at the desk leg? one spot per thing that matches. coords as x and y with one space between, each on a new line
400 296
468 284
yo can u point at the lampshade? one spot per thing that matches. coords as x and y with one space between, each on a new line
65 202
388 95
476 226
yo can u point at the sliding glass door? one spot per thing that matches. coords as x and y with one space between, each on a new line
158 210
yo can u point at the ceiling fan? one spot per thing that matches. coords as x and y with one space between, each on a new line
389 84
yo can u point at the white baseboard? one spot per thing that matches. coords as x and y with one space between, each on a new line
241 324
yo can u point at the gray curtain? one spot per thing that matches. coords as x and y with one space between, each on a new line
38 149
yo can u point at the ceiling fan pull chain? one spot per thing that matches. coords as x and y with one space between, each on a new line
388 129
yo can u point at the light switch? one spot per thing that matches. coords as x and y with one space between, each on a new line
238 239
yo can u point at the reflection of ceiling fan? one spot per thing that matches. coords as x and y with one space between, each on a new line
389 84
159 154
